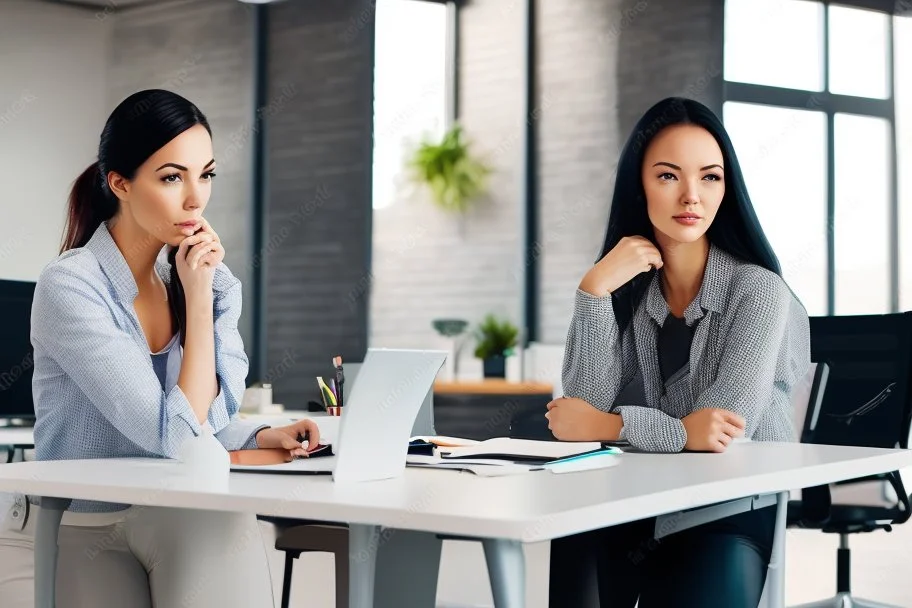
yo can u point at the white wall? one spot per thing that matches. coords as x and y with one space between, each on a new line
52 109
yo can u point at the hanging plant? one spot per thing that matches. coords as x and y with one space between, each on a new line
447 167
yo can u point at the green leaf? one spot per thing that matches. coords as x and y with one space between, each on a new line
495 337
454 177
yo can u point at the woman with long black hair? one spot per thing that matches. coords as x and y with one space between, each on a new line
684 337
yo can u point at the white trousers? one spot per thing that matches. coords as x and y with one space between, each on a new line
144 557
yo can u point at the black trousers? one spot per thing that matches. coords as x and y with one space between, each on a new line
722 563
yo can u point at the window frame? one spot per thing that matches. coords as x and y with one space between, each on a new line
831 104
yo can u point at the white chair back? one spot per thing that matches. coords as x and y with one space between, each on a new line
801 395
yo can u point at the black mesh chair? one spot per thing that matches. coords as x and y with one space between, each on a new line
867 403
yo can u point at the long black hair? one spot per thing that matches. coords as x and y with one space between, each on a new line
735 228
137 128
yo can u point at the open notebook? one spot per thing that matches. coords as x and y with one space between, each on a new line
507 456
520 450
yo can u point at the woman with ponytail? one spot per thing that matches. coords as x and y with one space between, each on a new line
134 328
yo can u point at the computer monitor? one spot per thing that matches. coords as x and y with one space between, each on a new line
16 355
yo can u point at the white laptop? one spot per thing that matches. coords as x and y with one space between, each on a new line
377 418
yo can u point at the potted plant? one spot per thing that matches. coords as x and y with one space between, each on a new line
496 340
447 167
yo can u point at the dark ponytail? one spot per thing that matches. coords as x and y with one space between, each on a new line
140 126
87 208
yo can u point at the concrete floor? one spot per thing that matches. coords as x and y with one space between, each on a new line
881 568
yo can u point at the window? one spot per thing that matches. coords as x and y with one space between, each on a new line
794 59
902 53
410 88
862 220
783 157
858 52
814 129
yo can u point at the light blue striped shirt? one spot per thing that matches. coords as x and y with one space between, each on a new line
96 391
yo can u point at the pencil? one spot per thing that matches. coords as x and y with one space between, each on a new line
329 399
340 377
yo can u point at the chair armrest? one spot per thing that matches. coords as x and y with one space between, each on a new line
816 502
896 482
874 477
815 505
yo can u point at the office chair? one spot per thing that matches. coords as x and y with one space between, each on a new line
296 536
868 403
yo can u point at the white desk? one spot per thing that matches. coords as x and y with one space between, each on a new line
504 512
17 436
20 437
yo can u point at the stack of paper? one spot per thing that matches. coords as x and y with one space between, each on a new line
505 448
478 466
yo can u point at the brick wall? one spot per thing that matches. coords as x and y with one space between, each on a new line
427 264
601 65
578 144
317 112
317 252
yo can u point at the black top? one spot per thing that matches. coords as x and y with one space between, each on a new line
674 341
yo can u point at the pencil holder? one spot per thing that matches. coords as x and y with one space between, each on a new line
334 410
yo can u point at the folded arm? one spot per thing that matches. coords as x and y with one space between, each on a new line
766 351
599 359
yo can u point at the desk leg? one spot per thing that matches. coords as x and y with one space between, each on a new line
47 528
363 543
776 572
408 565
507 571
